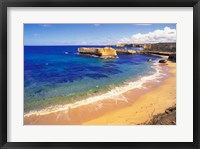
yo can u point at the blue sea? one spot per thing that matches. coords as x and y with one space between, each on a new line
58 75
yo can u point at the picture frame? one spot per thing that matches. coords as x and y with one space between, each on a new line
99 3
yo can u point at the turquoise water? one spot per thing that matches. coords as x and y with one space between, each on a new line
57 75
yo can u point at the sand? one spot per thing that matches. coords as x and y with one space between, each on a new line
146 106
140 107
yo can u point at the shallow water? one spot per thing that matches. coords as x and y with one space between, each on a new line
57 75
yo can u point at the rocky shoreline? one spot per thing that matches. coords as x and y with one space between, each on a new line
166 118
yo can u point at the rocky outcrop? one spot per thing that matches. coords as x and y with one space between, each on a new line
129 45
106 52
120 45
163 61
124 45
172 57
166 118
122 51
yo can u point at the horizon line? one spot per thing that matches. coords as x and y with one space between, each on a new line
97 44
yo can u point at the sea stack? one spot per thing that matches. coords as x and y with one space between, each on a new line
106 52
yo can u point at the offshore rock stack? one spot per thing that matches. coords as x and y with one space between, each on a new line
106 52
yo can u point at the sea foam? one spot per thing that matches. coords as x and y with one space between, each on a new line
115 94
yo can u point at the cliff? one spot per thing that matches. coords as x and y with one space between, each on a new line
157 52
167 47
122 51
124 45
106 52
120 45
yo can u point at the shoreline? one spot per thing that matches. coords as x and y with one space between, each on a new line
143 110
86 113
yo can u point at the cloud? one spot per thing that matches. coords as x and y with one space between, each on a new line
165 35
36 35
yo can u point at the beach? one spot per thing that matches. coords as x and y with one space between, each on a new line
146 106
135 106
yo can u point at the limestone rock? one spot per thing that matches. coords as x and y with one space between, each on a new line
106 52
123 51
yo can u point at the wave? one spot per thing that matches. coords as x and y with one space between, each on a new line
115 94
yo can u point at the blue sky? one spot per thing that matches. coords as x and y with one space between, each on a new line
97 34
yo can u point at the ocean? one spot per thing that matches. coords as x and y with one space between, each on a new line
57 75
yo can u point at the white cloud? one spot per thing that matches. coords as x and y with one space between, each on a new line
36 34
165 35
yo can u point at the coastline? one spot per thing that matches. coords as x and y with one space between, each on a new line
111 111
146 106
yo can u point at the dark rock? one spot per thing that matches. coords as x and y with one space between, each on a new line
167 111
163 61
172 57
149 60
166 118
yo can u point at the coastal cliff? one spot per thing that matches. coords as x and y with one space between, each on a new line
167 47
106 52
124 45
122 51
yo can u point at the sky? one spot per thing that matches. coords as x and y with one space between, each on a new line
97 34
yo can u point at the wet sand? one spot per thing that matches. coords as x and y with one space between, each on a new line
146 106
136 106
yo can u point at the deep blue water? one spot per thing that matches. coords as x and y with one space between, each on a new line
52 76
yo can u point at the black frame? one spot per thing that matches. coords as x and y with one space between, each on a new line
99 3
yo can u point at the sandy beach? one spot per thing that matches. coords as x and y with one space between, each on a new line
133 107
146 106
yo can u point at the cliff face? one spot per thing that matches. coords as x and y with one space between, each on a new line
120 45
124 45
168 47
121 51
106 52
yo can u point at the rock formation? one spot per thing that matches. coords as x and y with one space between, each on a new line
124 45
163 61
156 52
120 45
122 51
106 52
172 57
167 47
